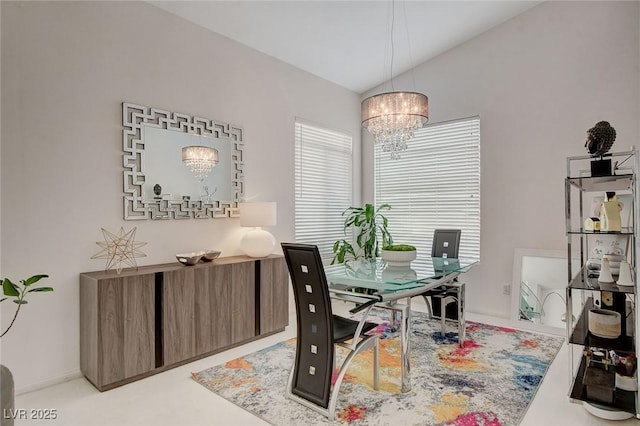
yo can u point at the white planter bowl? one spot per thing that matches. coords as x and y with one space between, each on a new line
399 258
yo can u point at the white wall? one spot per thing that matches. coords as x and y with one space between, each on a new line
539 82
66 69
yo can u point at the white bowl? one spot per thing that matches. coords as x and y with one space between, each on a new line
399 258
628 383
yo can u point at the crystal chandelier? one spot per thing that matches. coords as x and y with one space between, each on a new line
393 117
200 160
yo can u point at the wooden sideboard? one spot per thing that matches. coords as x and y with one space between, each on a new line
141 322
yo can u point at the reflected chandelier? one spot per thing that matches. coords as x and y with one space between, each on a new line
392 117
200 160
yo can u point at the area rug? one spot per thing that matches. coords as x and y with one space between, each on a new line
490 381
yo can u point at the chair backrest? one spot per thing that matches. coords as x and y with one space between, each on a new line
314 349
446 243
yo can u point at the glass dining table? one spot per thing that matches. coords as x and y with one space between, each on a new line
392 287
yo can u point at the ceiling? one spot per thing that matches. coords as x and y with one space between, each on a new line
348 42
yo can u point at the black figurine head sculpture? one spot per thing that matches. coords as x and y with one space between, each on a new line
600 138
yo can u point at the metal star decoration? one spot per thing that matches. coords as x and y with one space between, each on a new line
119 248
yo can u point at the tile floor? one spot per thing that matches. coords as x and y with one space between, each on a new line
173 398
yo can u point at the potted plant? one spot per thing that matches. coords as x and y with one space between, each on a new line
369 222
399 254
17 292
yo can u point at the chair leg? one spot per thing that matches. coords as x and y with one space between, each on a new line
429 311
443 315
376 364
364 344
462 331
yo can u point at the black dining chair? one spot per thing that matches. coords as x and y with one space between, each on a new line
446 245
319 331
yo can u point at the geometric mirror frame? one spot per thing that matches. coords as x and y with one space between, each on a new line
137 206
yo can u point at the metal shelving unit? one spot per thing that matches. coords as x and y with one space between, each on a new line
584 292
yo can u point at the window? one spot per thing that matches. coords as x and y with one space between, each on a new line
434 185
324 163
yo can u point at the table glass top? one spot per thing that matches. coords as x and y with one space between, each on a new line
379 276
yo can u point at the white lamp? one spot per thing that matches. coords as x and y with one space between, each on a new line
258 242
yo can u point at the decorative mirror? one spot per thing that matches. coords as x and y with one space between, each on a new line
178 166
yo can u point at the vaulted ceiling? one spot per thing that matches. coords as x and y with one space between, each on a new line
349 42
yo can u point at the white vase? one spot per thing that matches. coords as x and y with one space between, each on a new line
605 273
624 279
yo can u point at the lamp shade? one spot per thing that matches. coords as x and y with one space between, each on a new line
258 214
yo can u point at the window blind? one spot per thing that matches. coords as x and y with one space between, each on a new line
434 185
323 185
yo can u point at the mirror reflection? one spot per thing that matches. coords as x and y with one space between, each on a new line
538 293
164 166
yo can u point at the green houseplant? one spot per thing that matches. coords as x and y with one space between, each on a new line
18 293
368 222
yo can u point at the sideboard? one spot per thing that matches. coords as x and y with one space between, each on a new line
146 320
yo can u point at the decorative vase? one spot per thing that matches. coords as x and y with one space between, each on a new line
7 401
605 272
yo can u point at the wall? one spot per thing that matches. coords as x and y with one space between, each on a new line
538 81
66 69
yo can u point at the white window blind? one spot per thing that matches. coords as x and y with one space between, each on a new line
323 167
434 185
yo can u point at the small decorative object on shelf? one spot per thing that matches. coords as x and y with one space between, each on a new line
157 190
600 139
604 323
189 258
605 273
592 224
626 365
610 219
196 256
209 255
624 279
119 248
599 376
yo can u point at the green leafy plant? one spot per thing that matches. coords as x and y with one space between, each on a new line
400 247
368 221
18 292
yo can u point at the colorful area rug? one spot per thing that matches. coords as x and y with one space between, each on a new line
490 381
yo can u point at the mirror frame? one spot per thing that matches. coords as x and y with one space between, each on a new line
134 118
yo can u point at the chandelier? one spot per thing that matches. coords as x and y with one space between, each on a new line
200 160
393 117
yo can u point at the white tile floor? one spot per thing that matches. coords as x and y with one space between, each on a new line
173 398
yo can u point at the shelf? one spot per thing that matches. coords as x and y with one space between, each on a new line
622 400
625 231
581 335
612 183
583 282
